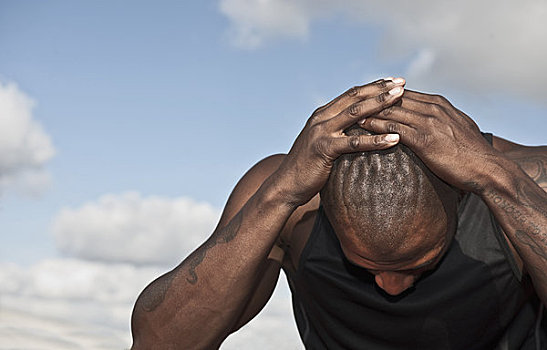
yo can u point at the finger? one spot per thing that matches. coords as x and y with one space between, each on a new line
361 143
442 112
435 99
364 108
421 107
354 95
400 115
430 98
407 133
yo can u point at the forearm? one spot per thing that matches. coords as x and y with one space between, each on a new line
197 304
520 206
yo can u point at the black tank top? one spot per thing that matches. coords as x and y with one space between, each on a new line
476 298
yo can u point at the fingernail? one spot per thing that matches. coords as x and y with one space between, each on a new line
398 80
396 91
388 79
392 137
362 121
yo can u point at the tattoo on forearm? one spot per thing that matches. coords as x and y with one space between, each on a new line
154 294
227 234
529 232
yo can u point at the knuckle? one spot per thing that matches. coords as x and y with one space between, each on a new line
354 91
381 83
311 120
316 116
354 142
392 127
386 112
381 98
318 110
354 109
440 99
377 140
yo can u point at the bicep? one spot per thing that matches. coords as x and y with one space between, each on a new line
269 272
531 159
248 185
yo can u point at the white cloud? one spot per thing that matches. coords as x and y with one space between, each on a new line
421 64
136 229
76 304
69 303
116 244
28 330
479 46
25 147
256 21
274 328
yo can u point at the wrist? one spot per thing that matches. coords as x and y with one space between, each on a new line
276 192
499 176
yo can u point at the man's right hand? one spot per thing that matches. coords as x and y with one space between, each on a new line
306 168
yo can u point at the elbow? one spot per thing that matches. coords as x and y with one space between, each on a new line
147 334
144 333
137 330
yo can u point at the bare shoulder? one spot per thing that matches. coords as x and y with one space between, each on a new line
294 234
248 185
532 159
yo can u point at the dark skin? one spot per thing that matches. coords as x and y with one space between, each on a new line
451 146
269 215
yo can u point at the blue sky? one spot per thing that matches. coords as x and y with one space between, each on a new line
166 104
155 99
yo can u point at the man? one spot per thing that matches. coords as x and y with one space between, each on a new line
445 260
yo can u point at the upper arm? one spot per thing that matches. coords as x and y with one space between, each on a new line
531 159
504 145
153 325
248 185
270 269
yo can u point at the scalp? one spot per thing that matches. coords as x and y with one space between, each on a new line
385 197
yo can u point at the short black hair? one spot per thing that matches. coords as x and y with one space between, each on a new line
386 193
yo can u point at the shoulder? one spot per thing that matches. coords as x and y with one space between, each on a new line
296 230
258 173
512 148
249 183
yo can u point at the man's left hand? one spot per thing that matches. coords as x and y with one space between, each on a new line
445 139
